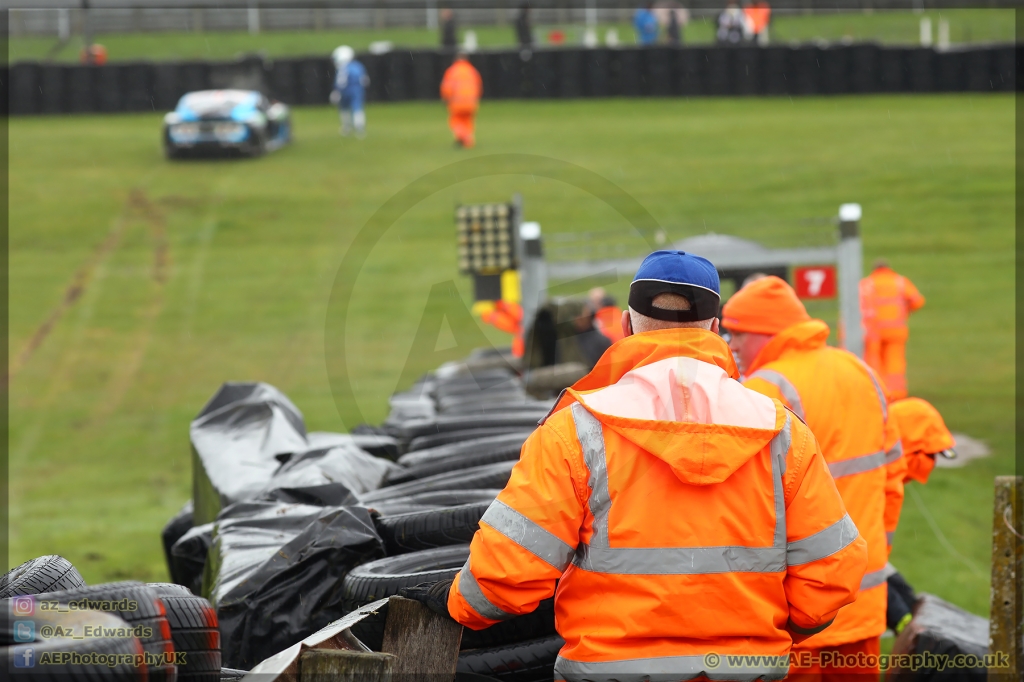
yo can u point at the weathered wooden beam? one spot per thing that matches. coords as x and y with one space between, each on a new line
339 665
425 644
1006 629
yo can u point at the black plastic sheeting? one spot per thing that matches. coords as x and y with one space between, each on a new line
250 439
275 573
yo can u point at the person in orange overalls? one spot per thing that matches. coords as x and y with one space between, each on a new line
689 524
782 353
886 300
607 315
461 88
508 317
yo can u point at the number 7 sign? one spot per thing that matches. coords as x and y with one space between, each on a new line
818 281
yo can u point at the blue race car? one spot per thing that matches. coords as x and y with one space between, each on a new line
226 121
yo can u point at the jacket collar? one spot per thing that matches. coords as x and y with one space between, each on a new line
803 336
645 348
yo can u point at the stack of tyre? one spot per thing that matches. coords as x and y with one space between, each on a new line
455 463
55 627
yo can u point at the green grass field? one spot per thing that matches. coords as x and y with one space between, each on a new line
889 27
138 285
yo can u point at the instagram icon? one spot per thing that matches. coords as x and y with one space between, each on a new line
23 606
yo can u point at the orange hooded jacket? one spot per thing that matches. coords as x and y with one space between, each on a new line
886 300
923 434
842 401
679 514
461 87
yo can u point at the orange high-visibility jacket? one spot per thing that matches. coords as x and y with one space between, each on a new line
506 316
680 515
923 434
841 400
886 300
461 87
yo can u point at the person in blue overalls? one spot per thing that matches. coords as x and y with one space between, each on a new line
349 91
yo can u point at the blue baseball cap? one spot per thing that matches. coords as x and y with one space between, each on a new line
676 272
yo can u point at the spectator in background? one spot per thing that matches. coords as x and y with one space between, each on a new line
524 29
646 25
674 31
758 15
732 25
349 91
449 32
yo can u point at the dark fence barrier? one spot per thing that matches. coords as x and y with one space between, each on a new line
38 88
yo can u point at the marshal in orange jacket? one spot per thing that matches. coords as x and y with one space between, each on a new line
923 434
886 301
680 515
846 408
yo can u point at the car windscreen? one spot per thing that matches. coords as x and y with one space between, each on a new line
215 100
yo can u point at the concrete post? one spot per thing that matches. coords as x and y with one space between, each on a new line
254 19
1006 629
850 258
533 271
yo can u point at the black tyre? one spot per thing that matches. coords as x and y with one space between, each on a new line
137 605
411 532
448 437
478 445
194 629
530 661
178 525
433 500
455 463
256 145
486 476
13 660
385 577
44 574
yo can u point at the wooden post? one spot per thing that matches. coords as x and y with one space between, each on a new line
1006 630
338 665
425 645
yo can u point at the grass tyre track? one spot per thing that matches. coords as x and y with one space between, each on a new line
530 661
415 531
43 574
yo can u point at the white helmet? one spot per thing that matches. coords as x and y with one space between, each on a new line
343 55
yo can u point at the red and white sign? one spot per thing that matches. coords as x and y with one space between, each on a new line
816 281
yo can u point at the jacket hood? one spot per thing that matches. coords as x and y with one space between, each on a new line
803 336
675 397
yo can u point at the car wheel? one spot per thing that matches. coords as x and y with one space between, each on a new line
256 145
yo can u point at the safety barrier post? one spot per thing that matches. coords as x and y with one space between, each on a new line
533 273
850 257
1006 628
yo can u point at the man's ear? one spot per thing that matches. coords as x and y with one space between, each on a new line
627 324
715 326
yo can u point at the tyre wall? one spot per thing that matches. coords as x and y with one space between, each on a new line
401 75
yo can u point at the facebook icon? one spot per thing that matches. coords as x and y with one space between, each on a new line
26 658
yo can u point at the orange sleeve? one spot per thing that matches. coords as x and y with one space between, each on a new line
826 555
896 471
527 537
914 299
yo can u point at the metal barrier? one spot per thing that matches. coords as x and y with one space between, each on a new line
40 88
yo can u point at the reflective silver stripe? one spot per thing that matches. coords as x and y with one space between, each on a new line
895 452
780 445
857 465
528 535
787 389
822 544
588 430
599 557
680 560
888 536
878 389
481 604
873 579
670 669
